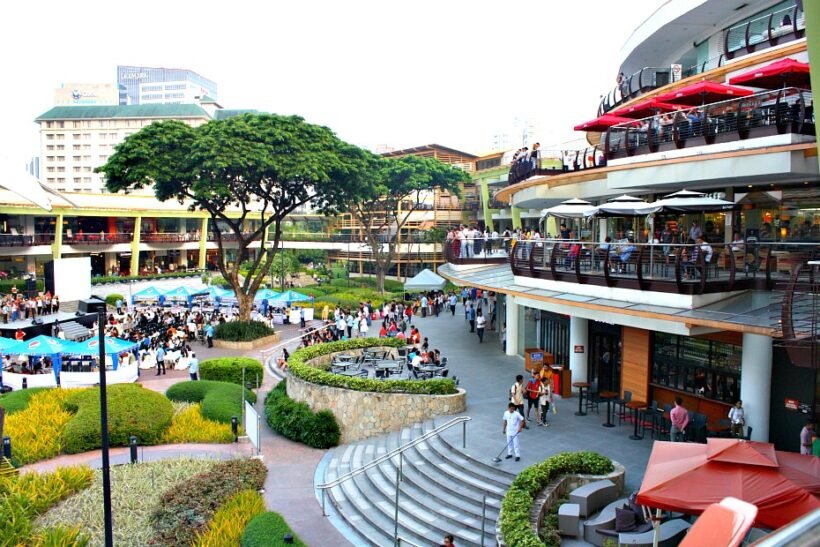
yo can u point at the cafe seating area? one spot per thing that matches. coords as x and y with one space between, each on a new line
384 364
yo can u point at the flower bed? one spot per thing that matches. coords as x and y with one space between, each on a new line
229 522
189 426
267 530
34 437
229 369
297 422
220 400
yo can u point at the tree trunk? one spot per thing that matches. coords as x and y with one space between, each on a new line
380 274
245 305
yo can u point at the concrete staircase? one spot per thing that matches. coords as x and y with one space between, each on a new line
441 492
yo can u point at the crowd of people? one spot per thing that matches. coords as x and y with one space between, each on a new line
18 307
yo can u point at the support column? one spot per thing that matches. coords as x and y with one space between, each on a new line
511 317
516 217
602 227
578 336
203 244
57 246
135 247
755 383
486 210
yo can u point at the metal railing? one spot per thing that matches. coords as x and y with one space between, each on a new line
645 79
555 162
709 64
168 237
787 110
399 451
478 250
765 31
14 240
96 239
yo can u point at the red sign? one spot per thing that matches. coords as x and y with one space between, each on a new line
34 344
792 404
579 349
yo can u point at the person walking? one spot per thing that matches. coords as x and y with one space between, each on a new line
545 398
160 360
193 366
480 323
209 334
471 316
679 417
533 397
452 301
738 418
806 438
511 426
302 318
517 395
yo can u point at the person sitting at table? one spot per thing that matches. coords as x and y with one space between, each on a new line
572 255
401 336
737 243
436 357
416 360
692 263
626 253
393 328
415 336
426 345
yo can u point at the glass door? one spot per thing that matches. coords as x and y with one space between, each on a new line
605 357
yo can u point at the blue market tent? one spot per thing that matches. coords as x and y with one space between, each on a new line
287 297
43 345
265 294
113 347
9 346
147 294
179 294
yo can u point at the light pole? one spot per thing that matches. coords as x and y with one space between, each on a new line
282 277
106 466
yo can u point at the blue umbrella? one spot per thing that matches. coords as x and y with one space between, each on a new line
11 346
179 293
148 293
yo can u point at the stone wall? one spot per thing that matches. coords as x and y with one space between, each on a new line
247 346
364 414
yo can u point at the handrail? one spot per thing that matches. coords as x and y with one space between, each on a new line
404 541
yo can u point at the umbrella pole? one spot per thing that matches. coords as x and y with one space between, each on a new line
656 526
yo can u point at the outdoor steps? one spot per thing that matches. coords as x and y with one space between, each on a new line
441 492
70 307
75 331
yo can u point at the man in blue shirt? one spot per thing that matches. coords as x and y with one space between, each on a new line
193 367
209 335
160 360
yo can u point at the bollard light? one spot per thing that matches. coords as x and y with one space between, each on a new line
25 383
288 539
7 447
235 428
132 445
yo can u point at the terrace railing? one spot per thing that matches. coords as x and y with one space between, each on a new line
787 110
478 250
634 85
96 239
778 27
13 240
555 162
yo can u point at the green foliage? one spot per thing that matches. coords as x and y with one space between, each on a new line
267 530
15 401
112 298
229 369
242 331
228 524
297 422
220 400
7 284
298 366
102 279
306 256
185 510
338 272
59 536
515 507
220 281
190 426
132 410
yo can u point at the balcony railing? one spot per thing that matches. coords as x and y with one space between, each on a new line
709 64
477 251
787 110
96 239
646 79
12 240
778 27
170 237
555 162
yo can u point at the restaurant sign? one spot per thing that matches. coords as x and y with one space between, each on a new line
792 404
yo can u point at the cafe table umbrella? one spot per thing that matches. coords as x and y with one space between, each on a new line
704 92
686 201
783 73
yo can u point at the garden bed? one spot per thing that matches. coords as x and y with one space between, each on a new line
264 342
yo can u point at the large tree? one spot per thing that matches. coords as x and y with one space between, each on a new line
249 166
394 190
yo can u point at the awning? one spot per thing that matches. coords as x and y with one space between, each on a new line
645 109
686 201
622 206
571 208
783 73
9 346
148 293
704 92
49 345
178 293
287 297
602 123
112 346
725 523
425 280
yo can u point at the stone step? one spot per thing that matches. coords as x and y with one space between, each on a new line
461 456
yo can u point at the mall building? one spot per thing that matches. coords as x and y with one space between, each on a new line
713 299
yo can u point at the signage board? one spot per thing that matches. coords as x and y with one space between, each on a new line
578 349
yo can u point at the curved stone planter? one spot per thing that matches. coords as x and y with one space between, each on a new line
558 488
364 414
247 346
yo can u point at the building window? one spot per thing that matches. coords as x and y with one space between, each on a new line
75 124
86 135
103 157
49 169
76 169
60 137
76 136
76 147
60 147
75 158
60 158
49 158
49 136
50 147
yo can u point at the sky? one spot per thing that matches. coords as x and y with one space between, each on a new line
394 73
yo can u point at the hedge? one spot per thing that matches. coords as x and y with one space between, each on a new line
185 510
100 279
38 431
7 284
220 400
15 401
298 423
268 530
132 410
112 298
229 369
242 331
515 507
298 367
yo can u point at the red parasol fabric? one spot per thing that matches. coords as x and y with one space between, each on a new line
704 92
783 73
602 123
725 523
647 108
688 477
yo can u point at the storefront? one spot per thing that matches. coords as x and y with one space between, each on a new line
546 330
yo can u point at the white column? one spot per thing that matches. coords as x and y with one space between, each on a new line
511 315
755 382
601 229
578 336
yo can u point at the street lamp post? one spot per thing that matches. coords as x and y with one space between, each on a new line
282 277
106 466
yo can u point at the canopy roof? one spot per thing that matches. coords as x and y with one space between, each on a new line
11 346
688 477
425 280
178 293
686 201
622 206
571 208
288 296
148 293
783 73
725 523
704 92
602 123
112 346
646 108
265 294
48 345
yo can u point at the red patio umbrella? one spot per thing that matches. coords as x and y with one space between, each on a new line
602 123
783 73
688 477
647 108
704 92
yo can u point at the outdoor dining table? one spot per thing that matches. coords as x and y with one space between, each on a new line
348 372
637 407
430 369
608 396
343 365
581 387
344 358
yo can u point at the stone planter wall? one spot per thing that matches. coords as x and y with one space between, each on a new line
557 489
364 414
247 346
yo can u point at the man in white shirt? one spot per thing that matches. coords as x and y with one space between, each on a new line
511 427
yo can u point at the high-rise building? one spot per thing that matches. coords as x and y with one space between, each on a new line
521 132
76 94
149 85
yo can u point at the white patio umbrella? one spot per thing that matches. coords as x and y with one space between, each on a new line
571 208
686 201
26 186
622 206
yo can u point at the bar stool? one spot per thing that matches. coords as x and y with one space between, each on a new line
622 413
593 400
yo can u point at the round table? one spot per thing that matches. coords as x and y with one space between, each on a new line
581 387
608 396
637 407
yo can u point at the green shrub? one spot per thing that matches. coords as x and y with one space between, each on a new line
15 401
7 284
517 502
229 522
242 331
112 298
132 410
220 281
100 279
229 369
220 400
267 530
298 423
185 510
298 367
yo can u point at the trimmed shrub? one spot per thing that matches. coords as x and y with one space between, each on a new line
298 423
189 426
185 509
112 298
267 530
229 369
517 502
220 281
132 410
37 431
220 400
7 284
229 521
298 367
242 331
15 401
100 279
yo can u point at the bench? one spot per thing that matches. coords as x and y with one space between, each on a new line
569 519
593 496
605 520
671 533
